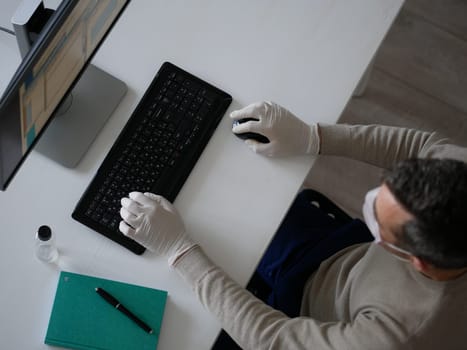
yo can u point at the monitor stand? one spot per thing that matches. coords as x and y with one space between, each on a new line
85 110
81 116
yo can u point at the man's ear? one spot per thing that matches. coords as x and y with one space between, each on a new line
419 264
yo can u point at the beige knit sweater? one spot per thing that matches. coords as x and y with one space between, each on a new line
360 298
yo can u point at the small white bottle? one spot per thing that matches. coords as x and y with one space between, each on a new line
45 245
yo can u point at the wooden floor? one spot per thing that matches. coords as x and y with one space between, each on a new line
419 80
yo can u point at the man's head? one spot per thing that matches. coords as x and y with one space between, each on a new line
422 206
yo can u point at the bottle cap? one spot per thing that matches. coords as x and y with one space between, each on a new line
44 233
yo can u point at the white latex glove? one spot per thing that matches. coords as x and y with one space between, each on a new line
153 222
288 135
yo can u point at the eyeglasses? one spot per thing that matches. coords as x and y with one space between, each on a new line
370 220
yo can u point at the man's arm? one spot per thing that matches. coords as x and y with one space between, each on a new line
383 146
375 144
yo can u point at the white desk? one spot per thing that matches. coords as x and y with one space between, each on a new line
306 55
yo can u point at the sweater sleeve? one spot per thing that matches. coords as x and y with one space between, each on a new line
255 325
383 146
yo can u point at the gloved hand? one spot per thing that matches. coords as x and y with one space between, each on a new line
288 135
153 222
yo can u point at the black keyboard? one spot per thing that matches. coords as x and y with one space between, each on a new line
156 150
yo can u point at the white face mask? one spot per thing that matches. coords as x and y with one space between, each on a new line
373 226
369 213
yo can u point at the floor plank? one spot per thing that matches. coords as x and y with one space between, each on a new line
450 15
426 57
390 101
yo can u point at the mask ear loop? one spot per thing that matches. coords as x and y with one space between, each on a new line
399 250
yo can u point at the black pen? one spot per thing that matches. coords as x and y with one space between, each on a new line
116 304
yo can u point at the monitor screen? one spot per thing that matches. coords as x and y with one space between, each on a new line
47 74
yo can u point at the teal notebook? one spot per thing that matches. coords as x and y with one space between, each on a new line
81 319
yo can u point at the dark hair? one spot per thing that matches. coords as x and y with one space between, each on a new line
434 191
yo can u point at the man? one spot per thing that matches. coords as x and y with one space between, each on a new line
407 291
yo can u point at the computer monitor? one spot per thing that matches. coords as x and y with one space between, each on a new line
55 87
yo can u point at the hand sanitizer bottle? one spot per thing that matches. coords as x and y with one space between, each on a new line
45 245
